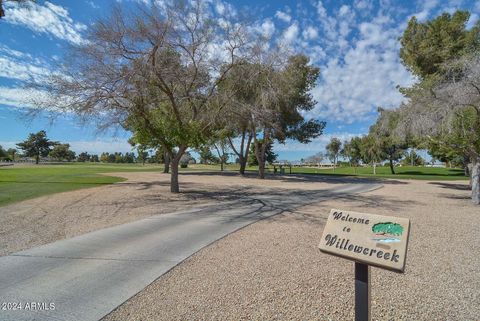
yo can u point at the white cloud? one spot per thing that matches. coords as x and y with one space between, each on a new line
328 23
15 69
220 8
47 18
291 33
283 16
92 4
19 97
317 145
267 28
427 7
310 33
354 83
363 5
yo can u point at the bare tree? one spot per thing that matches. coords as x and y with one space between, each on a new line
315 159
155 72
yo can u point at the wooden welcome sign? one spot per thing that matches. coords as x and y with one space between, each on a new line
368 240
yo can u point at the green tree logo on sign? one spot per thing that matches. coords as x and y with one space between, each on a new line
387 228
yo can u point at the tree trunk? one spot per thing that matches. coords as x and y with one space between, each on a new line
166 158
476 180
260 153
37 159
392 169
221 165
374 168
243 164
261 169
174 186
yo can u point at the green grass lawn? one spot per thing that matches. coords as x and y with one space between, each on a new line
404 172
23 182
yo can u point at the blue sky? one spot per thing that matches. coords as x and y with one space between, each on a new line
355 44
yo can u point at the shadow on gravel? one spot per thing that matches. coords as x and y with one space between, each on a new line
461 187
144 185
361 201
457 197
302 178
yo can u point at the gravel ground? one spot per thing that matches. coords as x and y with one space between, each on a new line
63 215
273 270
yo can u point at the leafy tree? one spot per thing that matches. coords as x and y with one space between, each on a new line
269 97
62 152
270 155
3 153
392 146
141 149
128 158
333 150
104 157
317 158
353 151
413 158
206 155
371 151
427 46
444 106
11 153
94 158
117 158
83 157
221 146
142 155
37 145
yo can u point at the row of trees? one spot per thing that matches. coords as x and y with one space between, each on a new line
365 150
37 145
442 109
179 79
7 154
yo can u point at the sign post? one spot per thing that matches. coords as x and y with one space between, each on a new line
369 240
362 292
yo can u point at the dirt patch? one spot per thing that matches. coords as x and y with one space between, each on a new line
272 270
